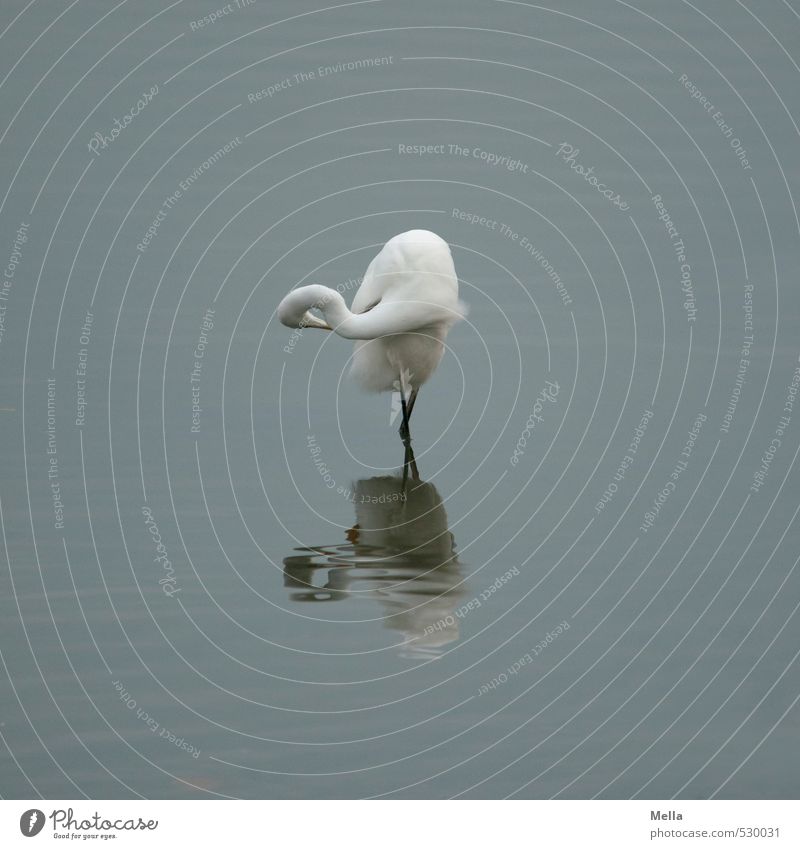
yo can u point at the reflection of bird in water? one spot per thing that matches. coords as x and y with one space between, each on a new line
401 314
399 552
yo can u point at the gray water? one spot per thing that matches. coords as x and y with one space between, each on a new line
592 588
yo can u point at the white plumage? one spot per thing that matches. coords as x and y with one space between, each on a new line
400 317
414 267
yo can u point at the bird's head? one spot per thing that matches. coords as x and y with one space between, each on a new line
295 309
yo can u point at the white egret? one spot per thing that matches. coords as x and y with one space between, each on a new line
401 314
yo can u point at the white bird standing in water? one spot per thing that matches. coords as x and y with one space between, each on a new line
401 314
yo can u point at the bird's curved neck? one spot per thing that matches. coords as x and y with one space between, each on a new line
382 320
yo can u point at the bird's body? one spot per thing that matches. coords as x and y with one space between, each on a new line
413 267
401 314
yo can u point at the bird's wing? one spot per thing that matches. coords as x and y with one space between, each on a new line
369 292
367 308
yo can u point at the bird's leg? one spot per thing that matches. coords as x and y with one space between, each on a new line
412 462
409 464
405 433
412 397
407 406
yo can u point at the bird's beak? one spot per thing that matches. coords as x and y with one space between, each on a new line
310 320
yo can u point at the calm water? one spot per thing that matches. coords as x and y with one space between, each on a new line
216 581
